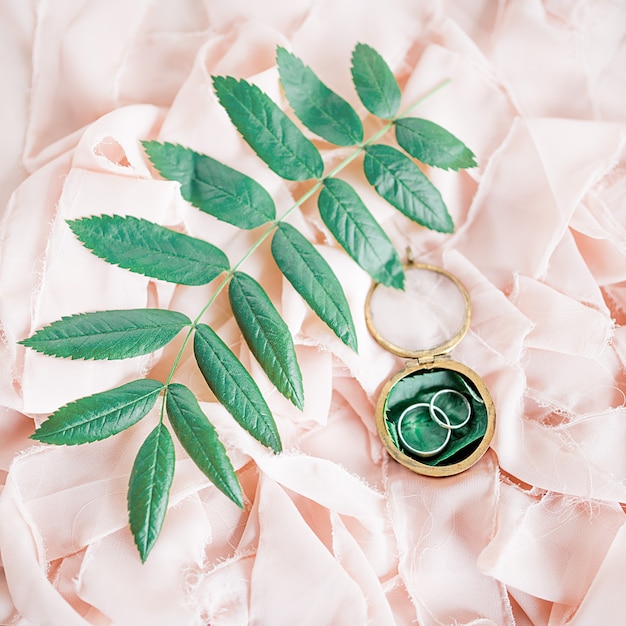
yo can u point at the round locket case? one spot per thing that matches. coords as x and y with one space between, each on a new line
435 416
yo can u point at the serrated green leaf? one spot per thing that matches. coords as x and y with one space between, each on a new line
234 387
199 438
318 108
431 144
116 334
356 229
100 415
149 488
375 83
399 181
268 131
213 187
267 335
311 276
146 248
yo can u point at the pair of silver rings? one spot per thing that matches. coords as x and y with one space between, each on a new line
439 416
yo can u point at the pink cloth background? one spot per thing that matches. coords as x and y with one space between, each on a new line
333 531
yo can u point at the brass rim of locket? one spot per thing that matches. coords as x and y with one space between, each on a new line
442 348
408 461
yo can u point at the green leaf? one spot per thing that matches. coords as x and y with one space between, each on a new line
311 276
268 131
199 438
234 387
149 249
101 415
431 144
320 109
356 229
399 181
120 334
267 335
149 488
375 83
213 187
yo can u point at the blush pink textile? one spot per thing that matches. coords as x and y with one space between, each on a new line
333 531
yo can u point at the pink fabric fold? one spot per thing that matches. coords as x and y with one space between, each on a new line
333 530
439 544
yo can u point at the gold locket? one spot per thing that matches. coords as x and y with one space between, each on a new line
435 416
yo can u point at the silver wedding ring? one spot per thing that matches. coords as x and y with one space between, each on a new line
437 415
408 446
433 409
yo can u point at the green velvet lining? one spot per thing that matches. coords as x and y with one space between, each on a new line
420 430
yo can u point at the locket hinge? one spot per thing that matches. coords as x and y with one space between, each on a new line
428 359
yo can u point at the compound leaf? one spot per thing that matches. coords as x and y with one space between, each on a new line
234 387
199 438
399 181
116 334
431 144
101 415
146 248
213 187
267 336
319 109
356 229
375 83
149 488
311 276
268 131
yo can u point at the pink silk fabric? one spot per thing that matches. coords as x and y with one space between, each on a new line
334 532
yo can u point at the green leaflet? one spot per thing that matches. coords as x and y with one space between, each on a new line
101 415
267 336
430 143
359 233
199 438
111 335
268 131
234 387
213 187
399 181
149 488
311 276
319 109
149 249
375 83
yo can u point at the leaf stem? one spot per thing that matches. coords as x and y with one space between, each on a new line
178 358
165 390
426 96
308 194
